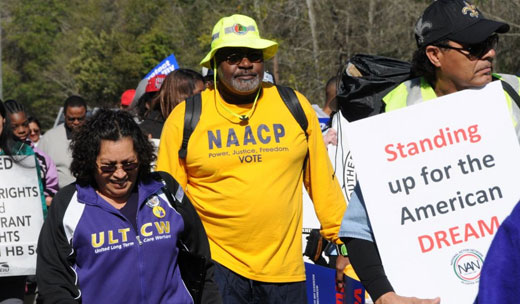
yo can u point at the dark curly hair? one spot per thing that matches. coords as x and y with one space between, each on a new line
113 125
7 139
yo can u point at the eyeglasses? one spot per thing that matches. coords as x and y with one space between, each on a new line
72 119
111 168
35 131
475 51
236 58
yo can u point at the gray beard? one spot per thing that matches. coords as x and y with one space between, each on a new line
244 85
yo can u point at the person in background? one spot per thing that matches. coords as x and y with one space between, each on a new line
34 130
177 86
148 112
56 141
330 135
113 237
20 127
126 99
330 95
12 288
208 76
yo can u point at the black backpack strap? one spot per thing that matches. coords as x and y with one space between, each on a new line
193 264
191 118
168 180
511 92
291 101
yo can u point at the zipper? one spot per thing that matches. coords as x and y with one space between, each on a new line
139 255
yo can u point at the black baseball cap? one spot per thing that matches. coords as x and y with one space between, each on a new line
455 20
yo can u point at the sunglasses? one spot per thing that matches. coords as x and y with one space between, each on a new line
477 50
236 58
111 168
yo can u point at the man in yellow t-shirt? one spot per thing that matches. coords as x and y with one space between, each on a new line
244 171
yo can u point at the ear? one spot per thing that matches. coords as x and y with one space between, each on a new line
435 55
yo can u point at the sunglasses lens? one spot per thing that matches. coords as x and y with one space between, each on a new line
129 166
255 57
234 58
108 168
480 49
112 168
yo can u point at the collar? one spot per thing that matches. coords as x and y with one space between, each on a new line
145 188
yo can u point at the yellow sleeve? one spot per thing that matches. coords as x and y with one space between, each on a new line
320 180
171 138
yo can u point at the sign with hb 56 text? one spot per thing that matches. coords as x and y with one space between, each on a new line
438 179
21 215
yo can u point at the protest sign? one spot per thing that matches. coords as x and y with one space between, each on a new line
21 216
341 157
166 66
438 178
321 287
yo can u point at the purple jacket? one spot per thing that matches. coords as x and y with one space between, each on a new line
88 251
500 275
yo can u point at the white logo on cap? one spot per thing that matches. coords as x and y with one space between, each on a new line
471 9
420 27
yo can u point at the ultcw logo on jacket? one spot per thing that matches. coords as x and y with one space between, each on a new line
118 239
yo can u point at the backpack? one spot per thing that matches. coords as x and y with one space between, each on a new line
194 108
368 78
365 81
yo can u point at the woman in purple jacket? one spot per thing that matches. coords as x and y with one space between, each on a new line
113 236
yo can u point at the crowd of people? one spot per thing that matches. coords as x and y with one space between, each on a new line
207 174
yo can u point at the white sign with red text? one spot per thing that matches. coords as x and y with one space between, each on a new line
21 215
438 179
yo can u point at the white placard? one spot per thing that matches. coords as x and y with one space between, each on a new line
341 157
435 209
21 216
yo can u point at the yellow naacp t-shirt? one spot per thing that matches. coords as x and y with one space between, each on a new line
245 180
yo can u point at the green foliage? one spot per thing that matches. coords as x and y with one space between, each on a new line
99 48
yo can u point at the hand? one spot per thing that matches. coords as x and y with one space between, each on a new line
341 263
331 137
393 298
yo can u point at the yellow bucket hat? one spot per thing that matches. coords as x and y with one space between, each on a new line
238 31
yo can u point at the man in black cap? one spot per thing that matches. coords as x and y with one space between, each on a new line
456 49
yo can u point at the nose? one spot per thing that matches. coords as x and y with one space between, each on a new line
245 63
119 173
490 55
20 130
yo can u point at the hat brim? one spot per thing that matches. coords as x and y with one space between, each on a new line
269 48
479 31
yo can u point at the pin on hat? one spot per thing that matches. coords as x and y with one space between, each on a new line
455 20
238 31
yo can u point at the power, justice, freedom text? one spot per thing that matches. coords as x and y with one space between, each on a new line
264 135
